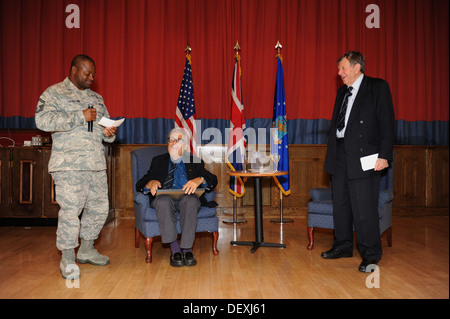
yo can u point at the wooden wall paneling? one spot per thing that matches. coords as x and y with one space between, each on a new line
410 177
437 177
123 192
306 164
5 189
421 180
420 184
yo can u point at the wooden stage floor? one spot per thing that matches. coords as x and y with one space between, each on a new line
415 267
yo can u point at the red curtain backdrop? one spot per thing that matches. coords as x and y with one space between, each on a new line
138 47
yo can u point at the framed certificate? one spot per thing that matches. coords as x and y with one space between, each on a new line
178 193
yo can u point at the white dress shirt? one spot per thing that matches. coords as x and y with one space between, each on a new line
351 99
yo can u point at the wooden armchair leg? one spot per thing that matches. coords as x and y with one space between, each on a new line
389 236
311 237
137 235
148 247
214 244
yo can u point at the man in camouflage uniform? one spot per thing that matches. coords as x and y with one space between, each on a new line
77 163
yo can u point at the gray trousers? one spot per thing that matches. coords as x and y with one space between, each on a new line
76 192
166 211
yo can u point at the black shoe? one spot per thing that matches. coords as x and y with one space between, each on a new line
335 253
176 260
368 265
189 259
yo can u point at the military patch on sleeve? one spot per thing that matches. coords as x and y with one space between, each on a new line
40 106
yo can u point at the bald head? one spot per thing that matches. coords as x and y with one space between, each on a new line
76 62
82 71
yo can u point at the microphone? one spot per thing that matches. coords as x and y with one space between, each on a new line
90 106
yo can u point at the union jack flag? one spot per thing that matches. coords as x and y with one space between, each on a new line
236 143
185 113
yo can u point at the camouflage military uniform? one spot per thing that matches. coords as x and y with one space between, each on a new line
77 162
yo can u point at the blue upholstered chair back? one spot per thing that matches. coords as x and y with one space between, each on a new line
141 160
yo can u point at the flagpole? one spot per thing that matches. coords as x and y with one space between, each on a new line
235 220
280 220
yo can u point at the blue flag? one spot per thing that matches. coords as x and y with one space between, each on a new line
279 140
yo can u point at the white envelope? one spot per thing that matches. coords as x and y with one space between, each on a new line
368 162
109 123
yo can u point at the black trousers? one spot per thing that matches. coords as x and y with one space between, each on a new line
355 202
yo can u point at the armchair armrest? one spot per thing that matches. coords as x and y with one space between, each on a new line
385 197
141 199
321 193
210 195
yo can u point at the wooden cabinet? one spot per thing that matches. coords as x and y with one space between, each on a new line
26 187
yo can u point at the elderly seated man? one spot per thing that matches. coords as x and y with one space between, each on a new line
177 169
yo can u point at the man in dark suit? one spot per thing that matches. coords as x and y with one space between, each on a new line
362 124
177 169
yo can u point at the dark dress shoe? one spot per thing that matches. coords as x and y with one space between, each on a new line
335 253
364 266
189 259
176 260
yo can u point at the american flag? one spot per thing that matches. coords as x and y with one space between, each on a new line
236 143
185 113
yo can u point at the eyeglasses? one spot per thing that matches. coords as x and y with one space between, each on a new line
174 140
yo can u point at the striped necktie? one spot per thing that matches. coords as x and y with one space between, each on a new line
170 176
341 117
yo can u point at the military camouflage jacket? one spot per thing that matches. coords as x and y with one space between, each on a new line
60 111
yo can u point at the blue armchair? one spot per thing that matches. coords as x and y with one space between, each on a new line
146 222
320 209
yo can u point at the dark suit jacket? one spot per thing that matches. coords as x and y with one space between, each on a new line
160 167
370 127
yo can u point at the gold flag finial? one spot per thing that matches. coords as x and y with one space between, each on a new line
237 47
188 50
278 46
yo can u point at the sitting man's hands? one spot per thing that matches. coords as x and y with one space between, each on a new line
153 186
191 186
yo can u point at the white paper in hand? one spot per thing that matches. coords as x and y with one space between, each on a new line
368 162
110 123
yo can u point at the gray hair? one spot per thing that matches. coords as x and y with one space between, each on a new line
354 57
181 131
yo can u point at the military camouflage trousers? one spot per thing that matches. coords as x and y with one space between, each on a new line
80 192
